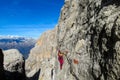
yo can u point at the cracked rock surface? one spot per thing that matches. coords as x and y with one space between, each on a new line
89 30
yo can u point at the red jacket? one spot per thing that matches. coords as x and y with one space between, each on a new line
60 57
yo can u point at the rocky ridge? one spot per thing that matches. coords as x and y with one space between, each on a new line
41 57
23 44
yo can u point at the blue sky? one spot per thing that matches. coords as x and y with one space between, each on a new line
28 18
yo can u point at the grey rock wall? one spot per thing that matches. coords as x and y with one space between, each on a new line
89 31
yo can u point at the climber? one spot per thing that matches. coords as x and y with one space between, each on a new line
60 58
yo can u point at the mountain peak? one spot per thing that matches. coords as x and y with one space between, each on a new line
23 44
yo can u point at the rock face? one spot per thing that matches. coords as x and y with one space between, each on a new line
14 65
42 56
89 30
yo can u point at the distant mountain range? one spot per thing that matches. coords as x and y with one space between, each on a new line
23 44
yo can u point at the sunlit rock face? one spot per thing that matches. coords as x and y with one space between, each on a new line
89 31
42 56
14 65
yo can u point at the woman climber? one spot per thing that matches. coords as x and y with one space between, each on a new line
60 58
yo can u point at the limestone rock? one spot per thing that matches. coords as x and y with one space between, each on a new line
14 65
42 54
89 30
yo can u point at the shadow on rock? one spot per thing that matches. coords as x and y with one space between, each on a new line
2 77
14 76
